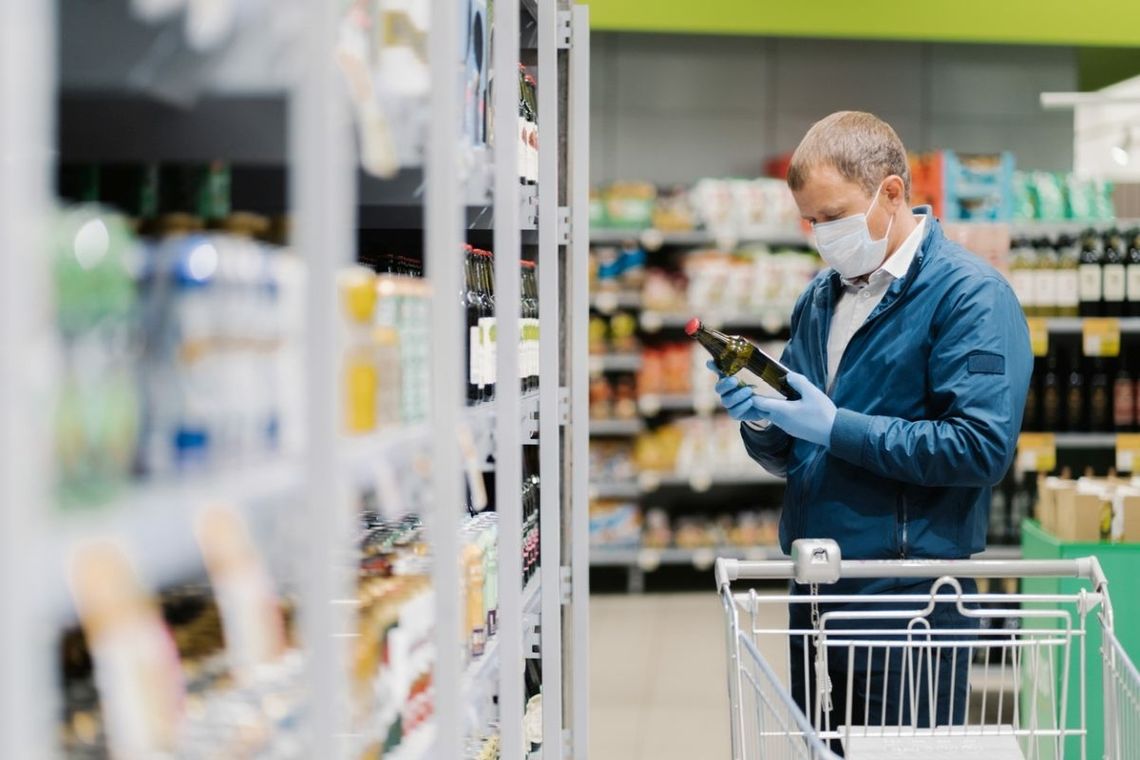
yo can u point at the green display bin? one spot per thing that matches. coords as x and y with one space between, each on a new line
1121 565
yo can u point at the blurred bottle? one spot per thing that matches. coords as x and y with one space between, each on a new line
488 325
1076 409
1068 277
1124 397
1115 275
1022 275
1133 274
1091 275
1052 392
1100 394
1045 276
1032 418
474 310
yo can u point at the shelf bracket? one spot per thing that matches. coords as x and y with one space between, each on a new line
563 225
566 585
564 31
563 406
532 635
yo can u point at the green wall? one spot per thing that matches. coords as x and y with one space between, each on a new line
1108 23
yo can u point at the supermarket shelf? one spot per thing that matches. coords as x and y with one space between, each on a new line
483 671
652 239
651 404
615 490
616 427
397 203
155 522
1086 440
1073 325
614 363
650 559
652 321
609 301
1042 228
650 481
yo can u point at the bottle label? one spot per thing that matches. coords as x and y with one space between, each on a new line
1069 288
1134 282
1045 288
475 357
1023 285
524 148
1114 282
490 352
1090 278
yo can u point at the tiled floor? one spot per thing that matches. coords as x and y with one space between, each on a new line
657 689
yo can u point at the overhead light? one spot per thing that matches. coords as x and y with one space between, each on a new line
1122 151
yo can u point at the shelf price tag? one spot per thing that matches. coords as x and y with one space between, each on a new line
1039 335
1037 452
1127 451
1101 336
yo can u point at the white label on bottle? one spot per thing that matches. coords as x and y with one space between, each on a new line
1134 282
1045 287
1090 277
1068 288
490 349
524 348
1023 285
1114 282
475 357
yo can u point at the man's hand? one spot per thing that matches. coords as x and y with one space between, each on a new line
810 418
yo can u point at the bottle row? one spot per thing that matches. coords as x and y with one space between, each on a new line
1090 275
482 326
180 348
1069 393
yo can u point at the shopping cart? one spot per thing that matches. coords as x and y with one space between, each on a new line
1016 663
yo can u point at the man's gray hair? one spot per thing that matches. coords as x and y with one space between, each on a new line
860 146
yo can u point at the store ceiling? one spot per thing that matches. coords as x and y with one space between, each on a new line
1045 22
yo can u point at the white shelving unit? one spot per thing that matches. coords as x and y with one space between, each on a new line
286 65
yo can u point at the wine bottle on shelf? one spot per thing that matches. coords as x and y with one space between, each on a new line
1045 279
1076 418
1114 274
473 307
1132 267
487 322
1124 398
1091 276
1100 398
1051 394
1022 275
1068 277
733 353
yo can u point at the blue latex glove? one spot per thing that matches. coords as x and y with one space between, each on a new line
810 418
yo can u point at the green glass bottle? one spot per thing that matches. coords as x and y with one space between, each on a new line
733 353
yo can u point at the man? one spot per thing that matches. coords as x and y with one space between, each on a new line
912 358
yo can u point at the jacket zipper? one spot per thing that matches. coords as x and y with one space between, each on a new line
905 523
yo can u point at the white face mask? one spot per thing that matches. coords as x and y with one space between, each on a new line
846 245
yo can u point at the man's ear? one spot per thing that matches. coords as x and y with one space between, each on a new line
895 190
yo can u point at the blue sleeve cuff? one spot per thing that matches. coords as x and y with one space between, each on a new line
849 435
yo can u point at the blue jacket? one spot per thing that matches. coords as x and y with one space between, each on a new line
930 394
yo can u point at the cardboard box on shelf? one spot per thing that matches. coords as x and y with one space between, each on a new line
1078 511
1048 493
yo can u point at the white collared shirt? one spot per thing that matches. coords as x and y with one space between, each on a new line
859 299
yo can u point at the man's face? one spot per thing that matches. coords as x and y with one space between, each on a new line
827 195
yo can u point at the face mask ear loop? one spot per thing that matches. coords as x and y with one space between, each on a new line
874 198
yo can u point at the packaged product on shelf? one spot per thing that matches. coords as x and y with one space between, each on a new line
657 534
137 672
623 332
630 204
247 600
361 361
614 524
98 409
611 461
673 211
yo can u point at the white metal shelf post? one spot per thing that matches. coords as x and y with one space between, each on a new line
508 403
322 192
579 306
443 239
550 262
27 96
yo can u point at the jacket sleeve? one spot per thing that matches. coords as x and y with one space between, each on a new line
771 446
979 368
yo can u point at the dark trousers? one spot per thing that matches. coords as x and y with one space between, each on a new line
889 687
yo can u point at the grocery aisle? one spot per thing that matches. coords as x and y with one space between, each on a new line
657 677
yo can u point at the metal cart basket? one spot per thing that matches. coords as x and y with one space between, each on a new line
884 676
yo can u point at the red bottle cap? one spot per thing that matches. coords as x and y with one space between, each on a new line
692 326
